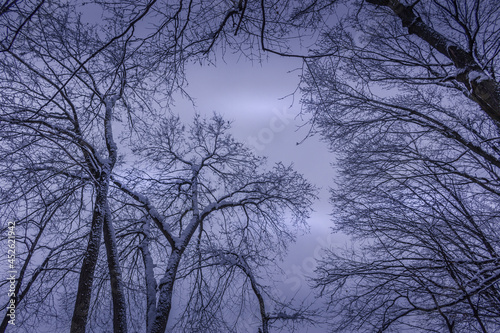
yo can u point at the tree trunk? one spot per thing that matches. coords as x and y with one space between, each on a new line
117 289
166 290
84 293
150 280
483 90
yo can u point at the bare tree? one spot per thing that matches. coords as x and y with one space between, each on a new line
66 81
47 209
272 310
470 45
14 17
73 119
419 168
207 189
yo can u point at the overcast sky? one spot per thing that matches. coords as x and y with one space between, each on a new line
256 97
253 96
263 101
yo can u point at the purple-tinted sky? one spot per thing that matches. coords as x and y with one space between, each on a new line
262 100
253 95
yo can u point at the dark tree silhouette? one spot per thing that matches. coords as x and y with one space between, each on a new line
410 103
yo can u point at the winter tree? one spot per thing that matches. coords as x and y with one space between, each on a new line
59 99
67 86
215 217
405 91
410 103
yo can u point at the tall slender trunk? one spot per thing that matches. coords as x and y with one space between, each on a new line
117 289
150 279
167 282
255 287
84 293
166 291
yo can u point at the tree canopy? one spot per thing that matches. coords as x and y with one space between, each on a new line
116 201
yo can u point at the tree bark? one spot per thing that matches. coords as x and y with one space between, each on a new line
102 217
150 279
84 293
166 290
117 289
483 90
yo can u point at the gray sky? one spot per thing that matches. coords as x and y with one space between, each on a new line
253 95
259 98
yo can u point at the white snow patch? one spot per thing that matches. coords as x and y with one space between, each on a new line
477 76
